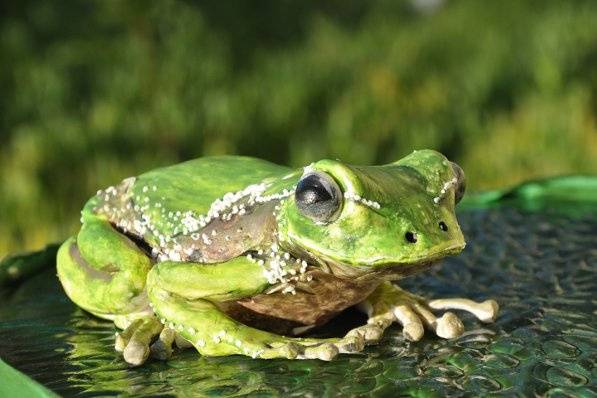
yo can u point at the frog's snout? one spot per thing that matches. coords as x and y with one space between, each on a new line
460 182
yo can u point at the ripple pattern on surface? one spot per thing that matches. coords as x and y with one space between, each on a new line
541 267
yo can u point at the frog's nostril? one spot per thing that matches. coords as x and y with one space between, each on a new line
410 237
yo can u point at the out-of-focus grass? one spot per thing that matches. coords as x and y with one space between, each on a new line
95 91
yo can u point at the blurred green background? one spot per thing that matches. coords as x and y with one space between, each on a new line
95 91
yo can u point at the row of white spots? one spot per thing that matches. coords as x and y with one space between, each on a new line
357 198
225 209
276 196
228 202
197 338
447 185
218 337
281 268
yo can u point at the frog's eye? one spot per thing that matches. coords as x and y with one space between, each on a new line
460 182
318 197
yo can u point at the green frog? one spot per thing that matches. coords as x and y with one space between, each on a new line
236 255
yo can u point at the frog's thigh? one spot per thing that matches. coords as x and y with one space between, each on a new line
104 272
183 304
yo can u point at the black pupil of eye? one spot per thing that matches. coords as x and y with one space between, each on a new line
311 190
443 226
410 237
318 197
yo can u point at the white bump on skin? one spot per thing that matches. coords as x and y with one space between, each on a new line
358 199
447 185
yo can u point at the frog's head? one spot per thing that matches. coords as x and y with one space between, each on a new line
399 216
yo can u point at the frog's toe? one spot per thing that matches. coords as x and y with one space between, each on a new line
351 344
449 326
368 334
136 353
135 339
123 338
162 348
371 333
485 311
412 327
324 351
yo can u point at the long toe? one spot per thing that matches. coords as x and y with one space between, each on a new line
351 344
136 353
325 352
412 327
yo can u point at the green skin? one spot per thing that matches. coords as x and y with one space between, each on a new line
148 259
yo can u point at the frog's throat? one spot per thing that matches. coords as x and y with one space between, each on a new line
390 272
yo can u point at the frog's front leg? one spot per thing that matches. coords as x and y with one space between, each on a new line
388 304
185 297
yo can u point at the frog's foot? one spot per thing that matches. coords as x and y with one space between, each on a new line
134 341
389 303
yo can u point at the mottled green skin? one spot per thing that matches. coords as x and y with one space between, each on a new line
104 272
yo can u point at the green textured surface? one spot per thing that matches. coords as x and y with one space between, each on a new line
537 257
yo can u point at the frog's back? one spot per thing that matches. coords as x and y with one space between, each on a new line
196 184
165 202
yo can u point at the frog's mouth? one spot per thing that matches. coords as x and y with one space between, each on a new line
385 271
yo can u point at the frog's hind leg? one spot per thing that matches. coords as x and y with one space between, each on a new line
182 294
389 304
104 272
213 333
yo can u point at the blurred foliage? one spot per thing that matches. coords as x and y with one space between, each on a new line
95 91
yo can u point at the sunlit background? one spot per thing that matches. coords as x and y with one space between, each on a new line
95 91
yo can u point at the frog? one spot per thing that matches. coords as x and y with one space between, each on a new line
235 255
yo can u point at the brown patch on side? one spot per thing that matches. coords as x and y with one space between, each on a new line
328 296
229 239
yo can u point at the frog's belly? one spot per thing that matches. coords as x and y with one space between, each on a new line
283 313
